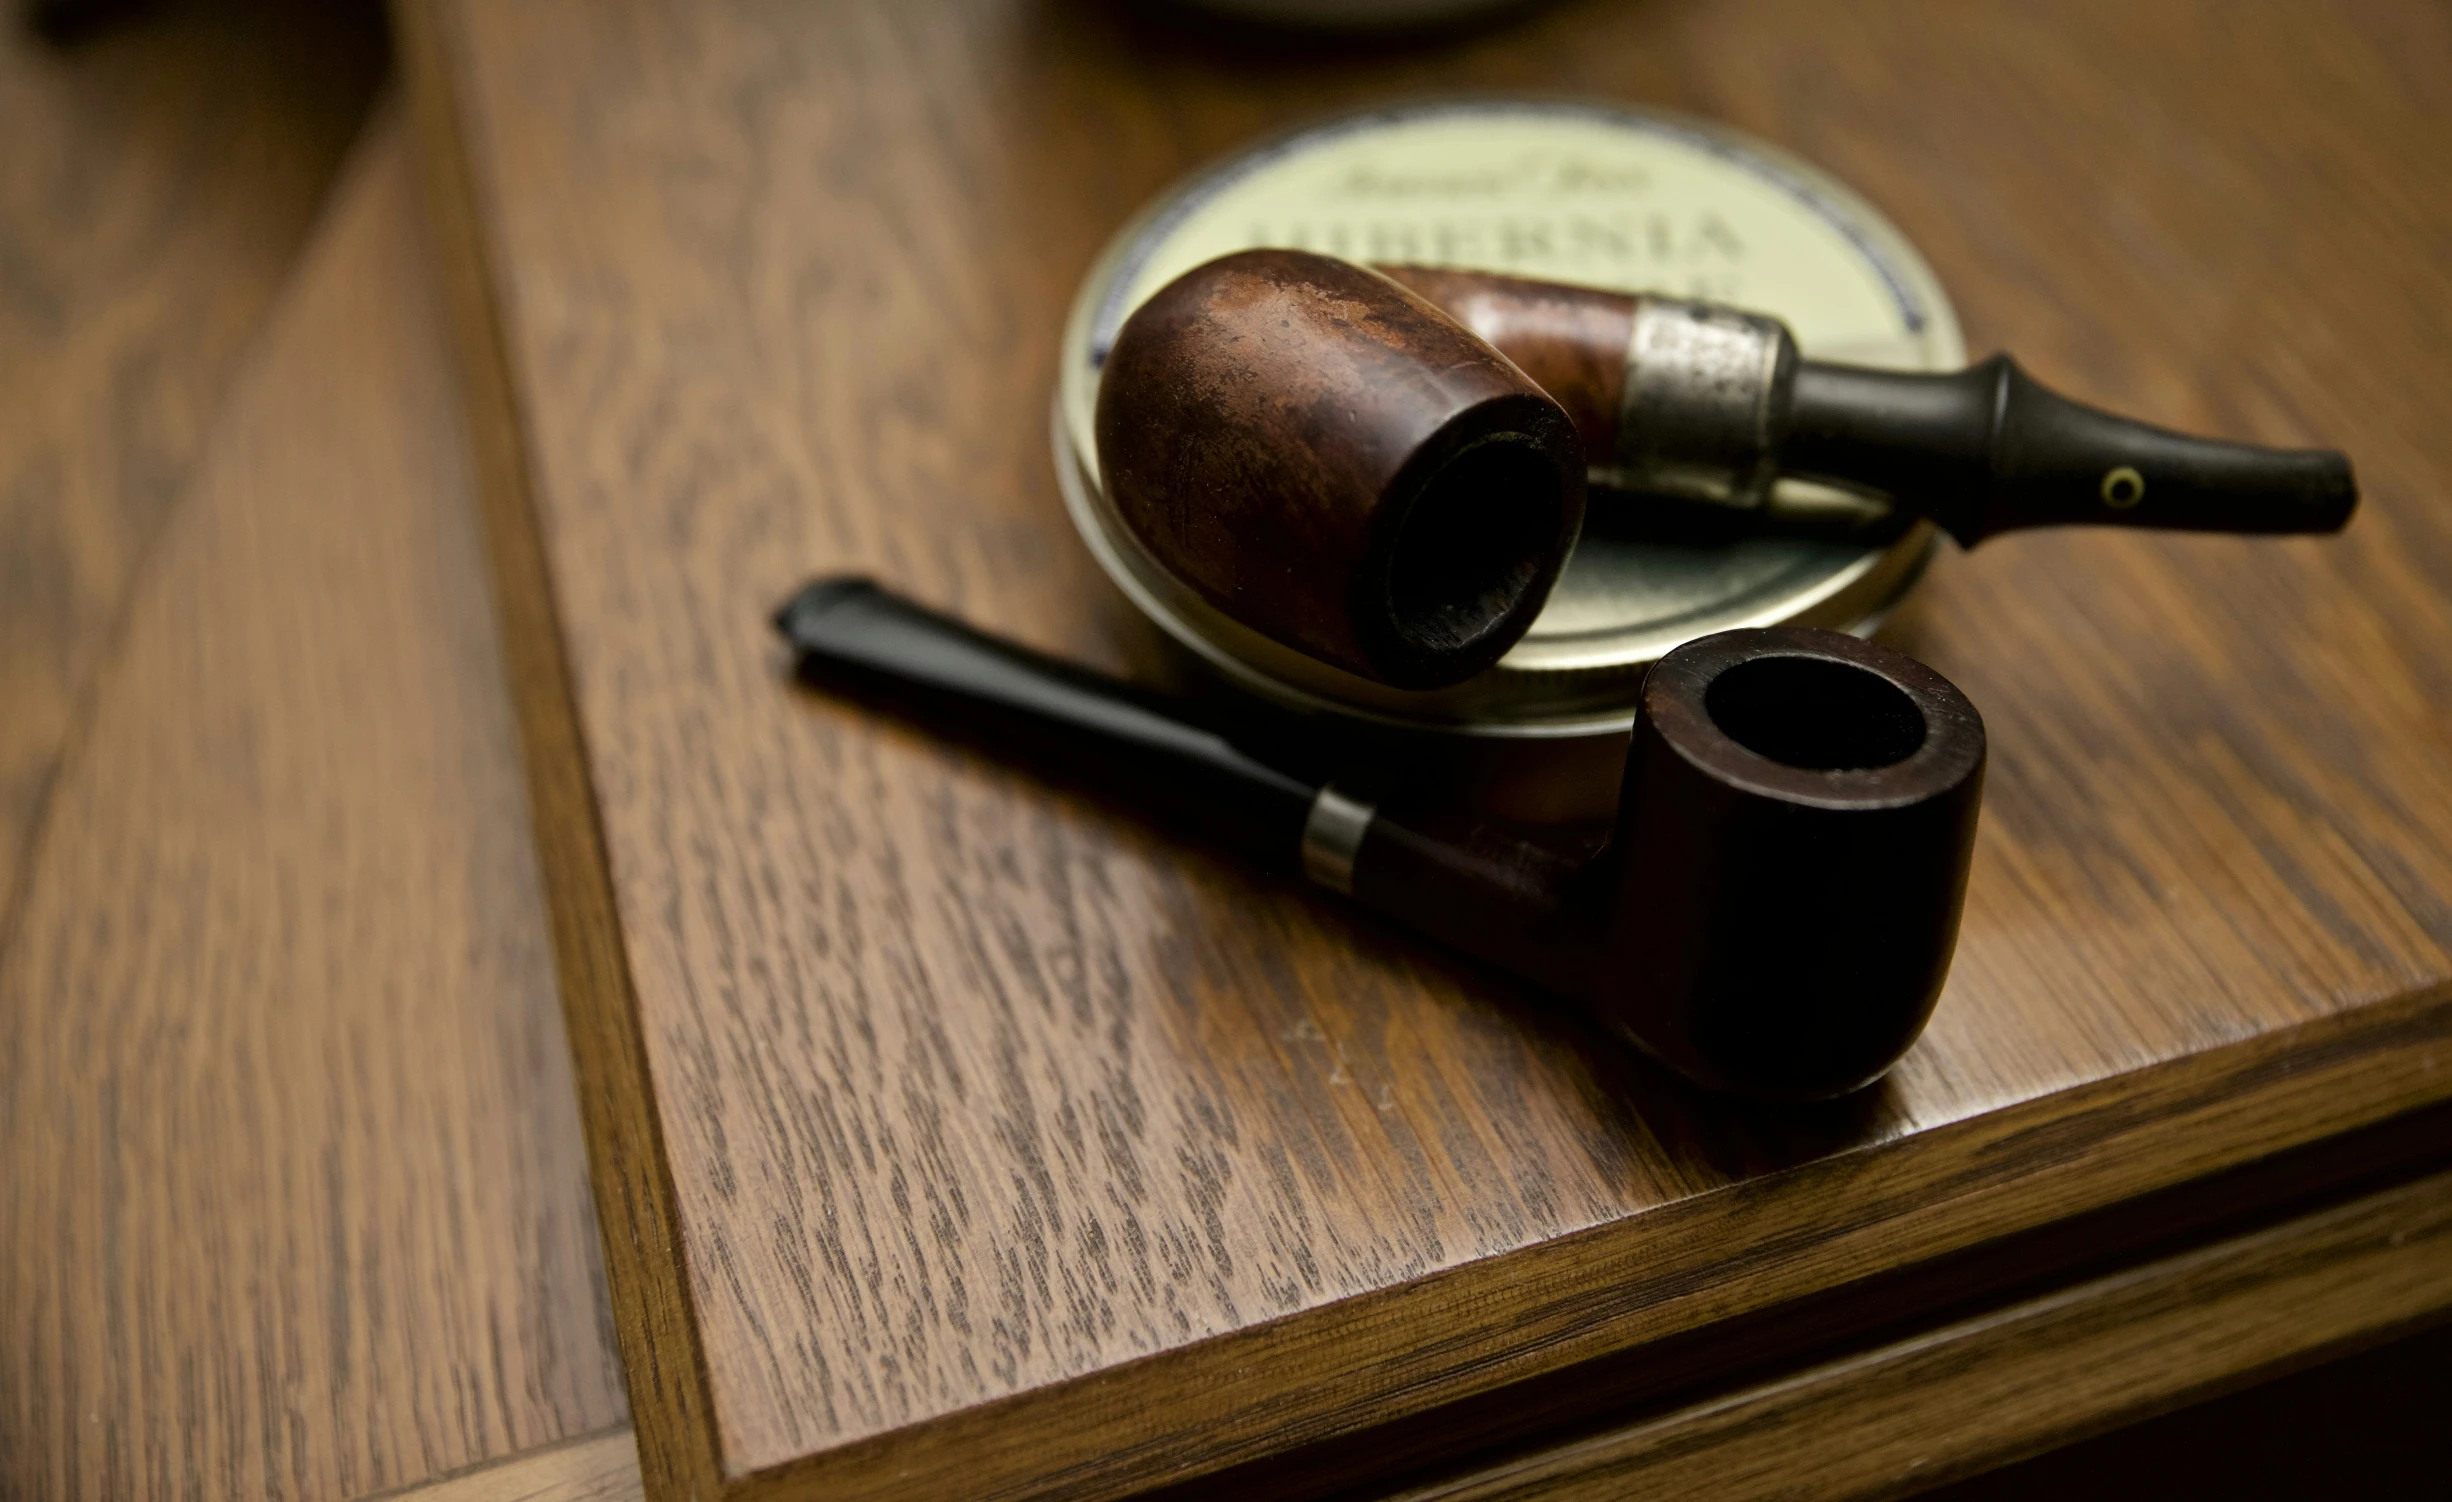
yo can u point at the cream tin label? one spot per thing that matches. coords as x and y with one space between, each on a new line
1566 192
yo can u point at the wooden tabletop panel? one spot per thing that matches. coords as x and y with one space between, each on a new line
957 1134
293 1198
159 175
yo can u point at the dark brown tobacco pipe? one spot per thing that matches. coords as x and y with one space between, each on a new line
1772 913
1709 403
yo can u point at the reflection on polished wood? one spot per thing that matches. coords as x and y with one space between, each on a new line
292 1195
959 1135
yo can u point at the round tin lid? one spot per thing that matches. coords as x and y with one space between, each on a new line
1569 192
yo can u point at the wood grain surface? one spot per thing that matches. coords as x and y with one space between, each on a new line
292 1190
1909 1414
961 1135
157 179
600 1468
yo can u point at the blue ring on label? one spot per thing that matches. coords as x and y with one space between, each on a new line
1197 194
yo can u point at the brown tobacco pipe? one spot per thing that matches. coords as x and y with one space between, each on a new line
1709 403
1327 456
1771 914
1337 464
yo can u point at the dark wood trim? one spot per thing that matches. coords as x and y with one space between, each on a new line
1344 1371
669 1396
2017 1381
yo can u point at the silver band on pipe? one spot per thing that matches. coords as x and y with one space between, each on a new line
1706 392
1332 837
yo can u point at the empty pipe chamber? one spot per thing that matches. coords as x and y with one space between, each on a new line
1799 814
1337 464
1773 912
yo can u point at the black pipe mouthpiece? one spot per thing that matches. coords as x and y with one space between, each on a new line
851 636
1990 449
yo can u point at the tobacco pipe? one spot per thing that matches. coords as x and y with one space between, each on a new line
1709 403
1771 913
1336 463
1386 468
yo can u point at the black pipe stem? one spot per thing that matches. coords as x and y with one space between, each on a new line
1097 731
1989 449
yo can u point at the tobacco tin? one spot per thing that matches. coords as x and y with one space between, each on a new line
1568 191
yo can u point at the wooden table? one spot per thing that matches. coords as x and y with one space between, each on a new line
294 1201
957 1135
954 1135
